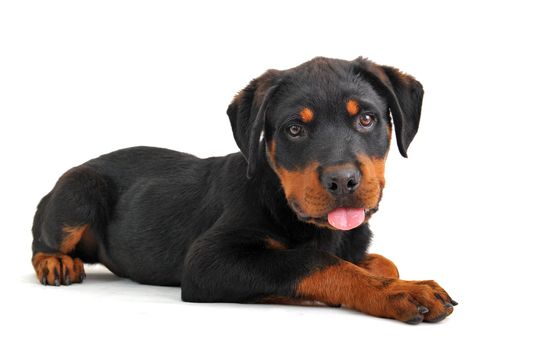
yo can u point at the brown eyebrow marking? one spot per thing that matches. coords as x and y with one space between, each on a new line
306 114
352 107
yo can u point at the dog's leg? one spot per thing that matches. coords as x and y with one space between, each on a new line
249 270
354 287
380 266
77 204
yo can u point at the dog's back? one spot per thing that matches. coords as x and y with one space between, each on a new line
136 210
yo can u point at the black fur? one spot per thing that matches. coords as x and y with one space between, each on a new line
162 217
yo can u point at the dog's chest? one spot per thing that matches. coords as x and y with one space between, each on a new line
351 246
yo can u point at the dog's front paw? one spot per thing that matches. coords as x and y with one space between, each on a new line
414 301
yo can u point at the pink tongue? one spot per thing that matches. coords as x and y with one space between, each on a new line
346 218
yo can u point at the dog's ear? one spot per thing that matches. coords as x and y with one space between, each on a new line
247 114
404 94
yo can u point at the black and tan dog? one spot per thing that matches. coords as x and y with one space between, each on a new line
284 221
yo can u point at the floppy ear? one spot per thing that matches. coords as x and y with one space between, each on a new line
247 114
404 94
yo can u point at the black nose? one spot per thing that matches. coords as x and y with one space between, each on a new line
344 180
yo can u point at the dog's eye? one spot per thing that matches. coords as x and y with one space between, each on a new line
294 130
366 121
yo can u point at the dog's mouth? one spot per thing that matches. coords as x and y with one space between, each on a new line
341 218
346 218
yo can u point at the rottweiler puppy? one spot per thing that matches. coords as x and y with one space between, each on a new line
283 221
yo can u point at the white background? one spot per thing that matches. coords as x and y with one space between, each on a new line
78 79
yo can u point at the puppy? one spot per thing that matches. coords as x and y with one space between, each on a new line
283 221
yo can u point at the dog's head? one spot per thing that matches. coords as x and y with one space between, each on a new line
326 126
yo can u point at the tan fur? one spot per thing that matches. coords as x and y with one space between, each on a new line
379 266
307 115
73 236
353 287
352 107
60 266
274 244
